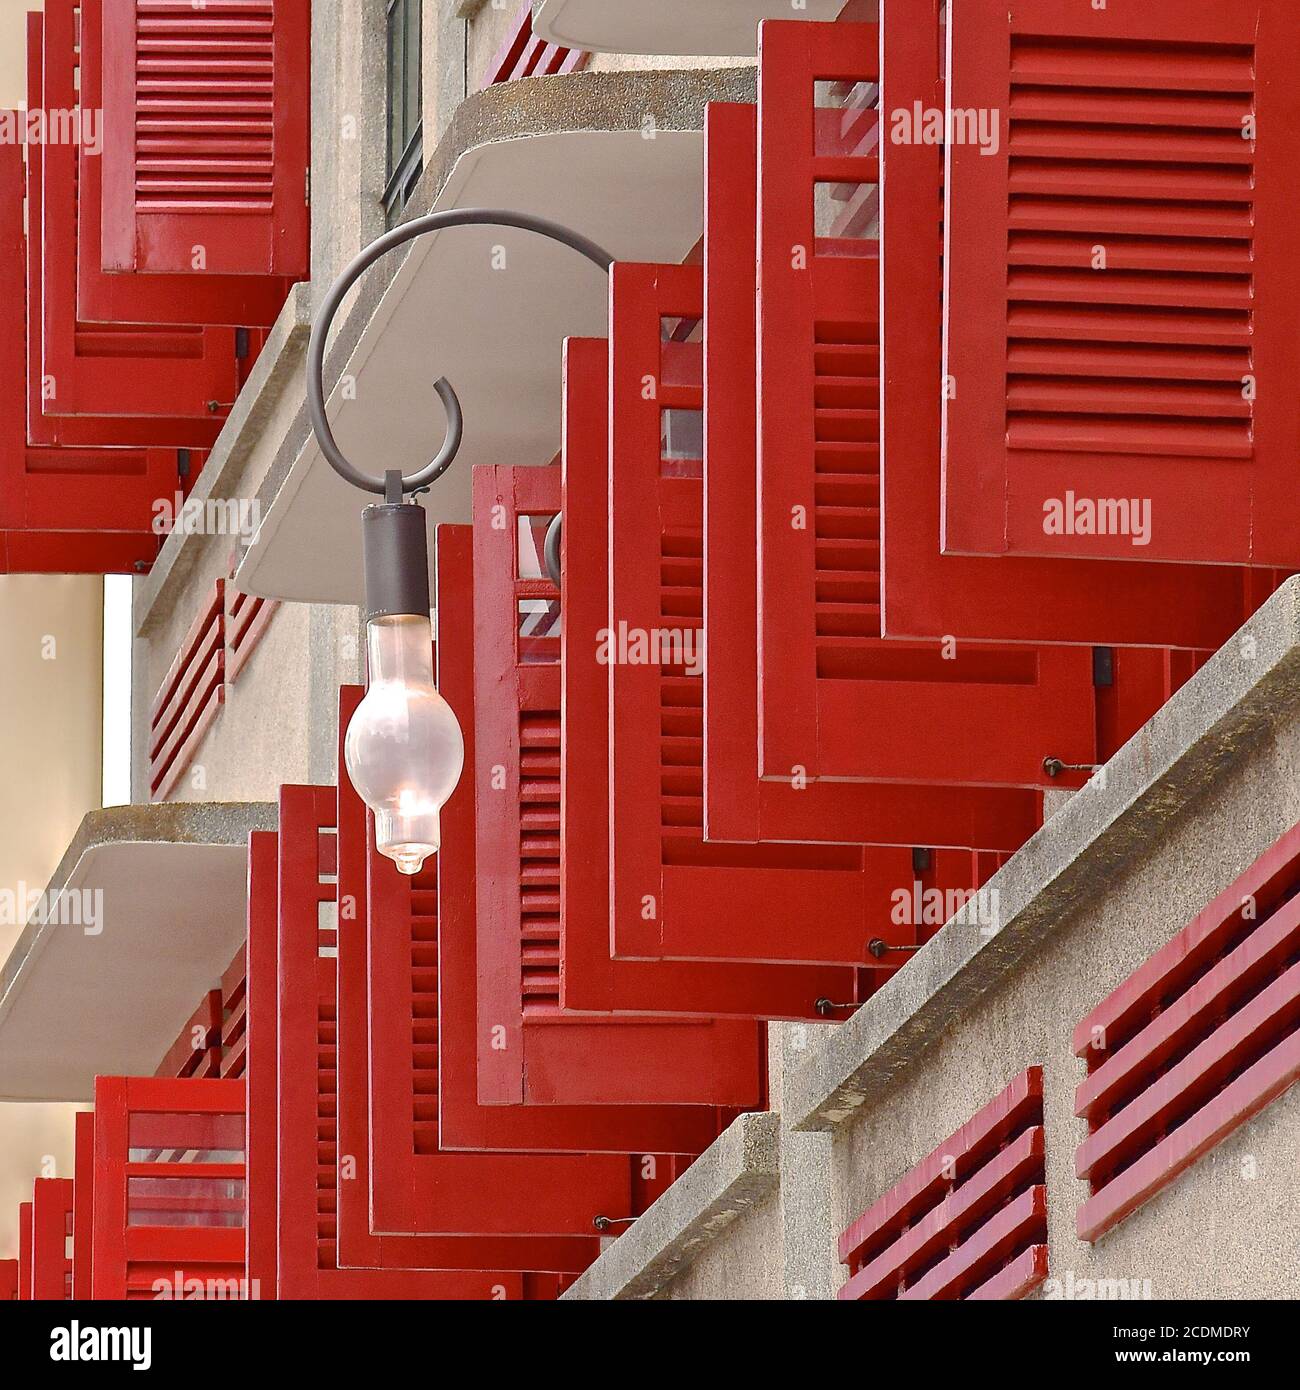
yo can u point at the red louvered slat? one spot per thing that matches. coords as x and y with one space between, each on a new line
207 137
969 1220
242 301
176 381
189 698
591 981
1122 284
169 1189
1198 1039
247 620
52 1200
523 55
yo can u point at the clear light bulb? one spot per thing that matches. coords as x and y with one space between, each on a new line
404 747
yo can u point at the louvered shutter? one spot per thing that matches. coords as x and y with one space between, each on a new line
738 805
244 301
543 1056
591 980
185 375
207 136
62 509
8 1281
51 1227
414 1070
169 1188
464 1194
834 698
1122 282
676 894
925 593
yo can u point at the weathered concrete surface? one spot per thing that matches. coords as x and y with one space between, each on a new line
1215 722
726 1183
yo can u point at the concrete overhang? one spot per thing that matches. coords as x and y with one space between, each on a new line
667 27
148 909
619 157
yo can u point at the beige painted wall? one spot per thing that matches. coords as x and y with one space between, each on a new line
51 668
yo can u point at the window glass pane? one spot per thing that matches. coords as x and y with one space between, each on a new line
185 1201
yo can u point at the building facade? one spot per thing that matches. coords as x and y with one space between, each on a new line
860 591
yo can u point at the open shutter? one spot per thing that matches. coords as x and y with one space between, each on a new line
837 701
207 136
487 1195
62 509
183 376
1122 284
244 301
544 1056
306 1078
676 894
591 980
738 805
51 1230
169 1188
926 593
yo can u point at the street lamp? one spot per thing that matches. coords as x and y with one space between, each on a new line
404 749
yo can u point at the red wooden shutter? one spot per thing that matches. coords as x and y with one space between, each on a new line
186 375
8 1281
925 593
207 136
62 510
471 1194
1122 284
83 1204
591 980
306 1148
51 1229
674 893
169 1188
244 301
738 805
833 697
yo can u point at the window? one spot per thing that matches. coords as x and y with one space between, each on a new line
405 96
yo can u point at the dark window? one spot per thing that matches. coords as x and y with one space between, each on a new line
405 131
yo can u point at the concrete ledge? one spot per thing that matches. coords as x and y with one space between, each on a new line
1213 722
734 1174
278 365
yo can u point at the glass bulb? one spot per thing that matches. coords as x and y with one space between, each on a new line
404 748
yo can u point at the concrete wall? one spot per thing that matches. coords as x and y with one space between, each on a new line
1189 804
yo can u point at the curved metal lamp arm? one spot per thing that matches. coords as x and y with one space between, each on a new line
399 236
